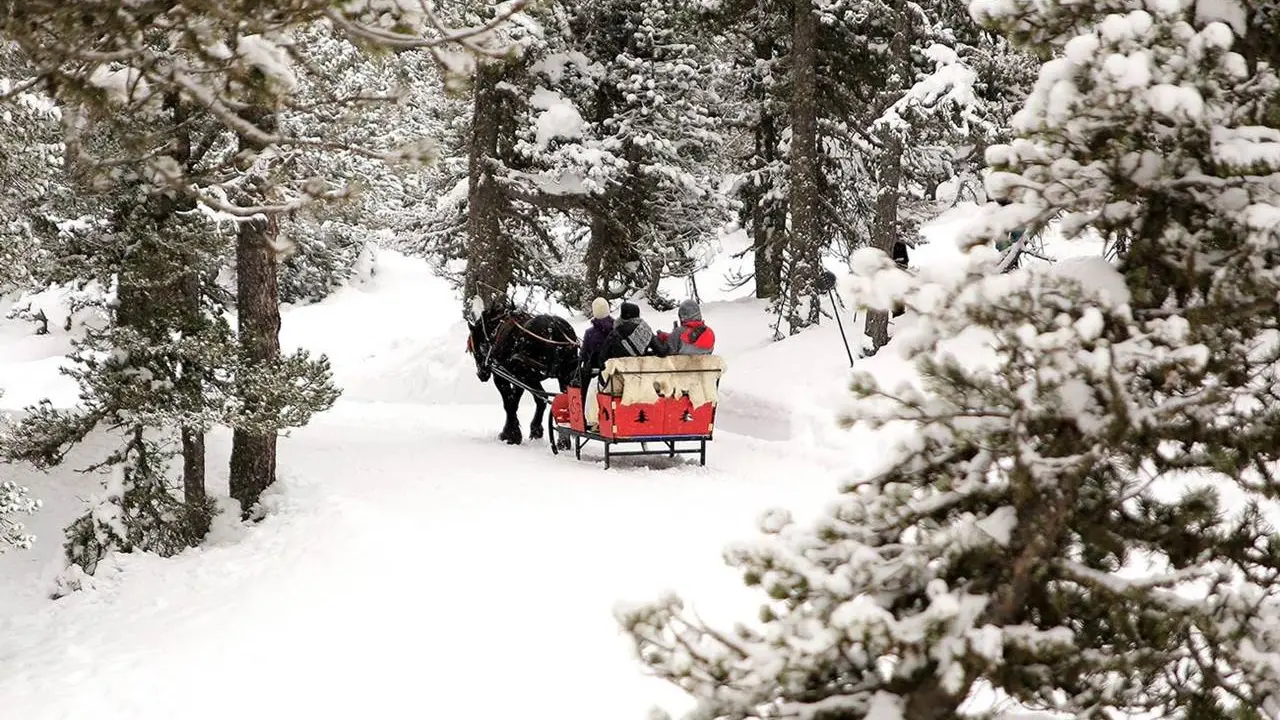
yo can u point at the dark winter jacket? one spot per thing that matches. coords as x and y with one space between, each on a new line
900 254
632 337
593 341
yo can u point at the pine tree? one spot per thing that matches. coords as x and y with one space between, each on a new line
324 255
589 158
152 376
592 158
651 141
395 97
492 255
918 75
256 152
763 187
30 174
14 500
799 214
492 225
1078 519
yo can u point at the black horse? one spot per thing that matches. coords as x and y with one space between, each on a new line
531 348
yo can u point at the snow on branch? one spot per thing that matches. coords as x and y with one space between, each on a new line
235 67
469 38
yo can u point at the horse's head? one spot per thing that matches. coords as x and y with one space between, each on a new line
482 327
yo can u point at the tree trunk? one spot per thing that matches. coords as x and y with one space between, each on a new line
884 230
768 211
189 292
602 257
805 261
885 227
253 450
193 475
193 450
490 261
596 257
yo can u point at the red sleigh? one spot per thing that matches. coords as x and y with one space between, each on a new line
667 402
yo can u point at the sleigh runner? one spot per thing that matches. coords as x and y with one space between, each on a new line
669 402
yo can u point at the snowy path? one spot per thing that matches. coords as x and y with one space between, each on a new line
412 567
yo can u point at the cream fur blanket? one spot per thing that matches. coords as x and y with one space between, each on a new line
645 379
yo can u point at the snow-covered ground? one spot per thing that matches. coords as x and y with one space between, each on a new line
411 565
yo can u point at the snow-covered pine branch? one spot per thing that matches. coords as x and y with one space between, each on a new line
1054 523
115 62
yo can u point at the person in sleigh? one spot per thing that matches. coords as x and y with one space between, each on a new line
632 336
690 335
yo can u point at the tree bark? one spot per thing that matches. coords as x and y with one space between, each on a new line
805 262
193 447
253 450
490 260
884 230
603 256
768 211
596 257
193 471
885 227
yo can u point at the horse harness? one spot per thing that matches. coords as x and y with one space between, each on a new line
517 321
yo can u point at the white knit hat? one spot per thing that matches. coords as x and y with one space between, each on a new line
599 308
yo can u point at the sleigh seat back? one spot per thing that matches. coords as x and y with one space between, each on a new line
673 396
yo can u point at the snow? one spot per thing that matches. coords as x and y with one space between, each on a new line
406 551
1096 275
123 86
884 706
553 65
1243 147
1000 524
558 119
269 58
1231 12
407 555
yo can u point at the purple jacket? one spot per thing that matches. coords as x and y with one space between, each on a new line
593 340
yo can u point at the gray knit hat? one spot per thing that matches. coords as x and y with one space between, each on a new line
689 310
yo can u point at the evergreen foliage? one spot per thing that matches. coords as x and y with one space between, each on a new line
15 500
1078 517
648 150
176 123
323 257
164 362
30 178
592 157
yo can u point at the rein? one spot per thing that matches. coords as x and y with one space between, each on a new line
536 336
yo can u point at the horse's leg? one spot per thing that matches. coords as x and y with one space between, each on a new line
510 403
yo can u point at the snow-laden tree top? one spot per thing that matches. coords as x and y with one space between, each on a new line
230 66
